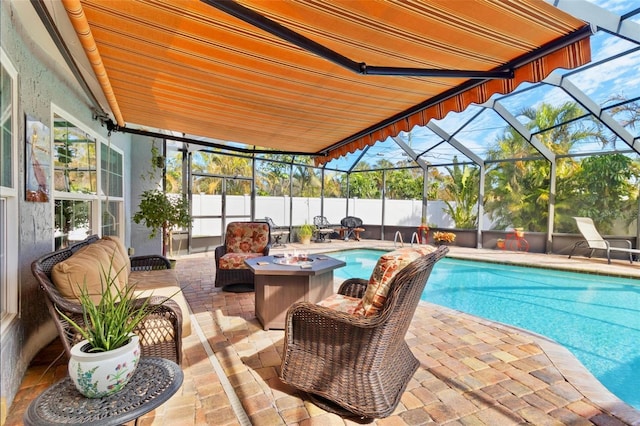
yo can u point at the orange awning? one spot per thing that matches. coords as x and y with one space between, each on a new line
189 67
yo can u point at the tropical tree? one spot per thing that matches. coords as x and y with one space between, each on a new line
306 178
364 182
518 190
461 188
606 189
273 177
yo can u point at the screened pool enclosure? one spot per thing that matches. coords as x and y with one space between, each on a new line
567 146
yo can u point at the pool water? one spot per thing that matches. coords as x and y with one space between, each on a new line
596 317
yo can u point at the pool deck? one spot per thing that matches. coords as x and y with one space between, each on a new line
473 371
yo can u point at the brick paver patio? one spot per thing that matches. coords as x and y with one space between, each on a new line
473 372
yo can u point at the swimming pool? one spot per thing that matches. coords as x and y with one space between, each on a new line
596 317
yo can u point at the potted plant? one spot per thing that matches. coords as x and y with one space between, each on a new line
105 360
162 212
500 243
305 232
441 237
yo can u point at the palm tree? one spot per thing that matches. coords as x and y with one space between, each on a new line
461 189
518 191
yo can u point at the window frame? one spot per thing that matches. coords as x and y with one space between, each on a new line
10 299
96 200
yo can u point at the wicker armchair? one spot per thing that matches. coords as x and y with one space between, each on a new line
354 365
243 240
160 333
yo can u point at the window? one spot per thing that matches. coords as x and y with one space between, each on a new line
88 200
112 182
8 193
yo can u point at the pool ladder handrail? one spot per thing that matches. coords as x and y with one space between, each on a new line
398 236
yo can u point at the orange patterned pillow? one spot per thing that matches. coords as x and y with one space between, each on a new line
387 267
247 237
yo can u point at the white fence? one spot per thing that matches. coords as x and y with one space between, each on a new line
304 209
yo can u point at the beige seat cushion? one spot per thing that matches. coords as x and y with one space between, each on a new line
341 303
87 267
163 283
385 270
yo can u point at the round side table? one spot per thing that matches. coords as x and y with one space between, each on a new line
154 382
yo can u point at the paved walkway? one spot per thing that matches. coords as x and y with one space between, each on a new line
473 371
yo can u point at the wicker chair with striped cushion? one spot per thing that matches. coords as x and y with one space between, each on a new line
354 364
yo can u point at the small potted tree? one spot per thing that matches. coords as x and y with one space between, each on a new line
162 212
305 232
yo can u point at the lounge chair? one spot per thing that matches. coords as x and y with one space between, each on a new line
277 233
323 229
594 241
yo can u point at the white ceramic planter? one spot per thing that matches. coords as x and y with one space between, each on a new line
101 374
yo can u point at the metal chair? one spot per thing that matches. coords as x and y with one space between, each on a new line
323 229
277 233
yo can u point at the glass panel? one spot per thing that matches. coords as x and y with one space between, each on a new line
617 76
344 163
306 194
517 195
112 180
111 218
491 138
237 199
74 159
221 165
386 155
458 192
72 222
582 136
272 178
206 206
627 114
173 177
6 132
526 106
272 191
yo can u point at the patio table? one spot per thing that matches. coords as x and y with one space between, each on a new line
278 285
154 382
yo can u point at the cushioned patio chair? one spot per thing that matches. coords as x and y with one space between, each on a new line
594 241
351 227
323 230
277 233
243 240
349 353
160 332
